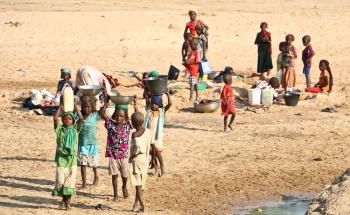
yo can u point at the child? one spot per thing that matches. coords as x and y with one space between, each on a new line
186 48
202 41
263 41
279 61
192 66
307 55
88 149
65 76
193 22
227 102
325 83
66 155
117 150
155 121
139 157
289 54
219 77
273 83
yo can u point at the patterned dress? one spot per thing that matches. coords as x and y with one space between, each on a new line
227 100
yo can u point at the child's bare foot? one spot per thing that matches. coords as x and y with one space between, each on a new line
61 206
225 129
162 171
156 171
134 208
96 180
83 187
142 209
115 199
68 208
125 192
230 127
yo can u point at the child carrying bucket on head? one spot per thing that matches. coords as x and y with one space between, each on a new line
139 158
88 152
117 149
154 120
66 154
227 102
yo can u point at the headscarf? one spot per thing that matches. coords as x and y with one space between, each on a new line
154 73
158 100
121 107
193 10
65 70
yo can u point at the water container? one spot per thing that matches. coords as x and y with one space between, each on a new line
267 96
68 99
204 67
254 96
173 73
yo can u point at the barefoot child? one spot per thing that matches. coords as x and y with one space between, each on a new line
192 67
325 83
202 42
307 55
227 102
65 80
66 155
117 150
191 25
139 157
155 122
289 54
263 41
88 149
186 48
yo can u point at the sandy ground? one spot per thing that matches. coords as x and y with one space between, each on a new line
269 154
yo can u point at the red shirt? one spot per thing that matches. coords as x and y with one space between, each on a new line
190 25
193 57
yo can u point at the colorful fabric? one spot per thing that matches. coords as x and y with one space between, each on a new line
191 26
67 145
227 100
156 126
193 57
88 133
313 90
288 61
117 139
264 52
158 100
121 107
65 181
306 70
307 55
154 73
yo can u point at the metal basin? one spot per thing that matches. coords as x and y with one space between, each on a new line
157 85
89 90
118 99
208 107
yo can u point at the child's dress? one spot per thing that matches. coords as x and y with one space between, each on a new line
192 27
88 149
61 84
117 149
140 146
66 160
289 77
264 52
154 121
227 101
193 69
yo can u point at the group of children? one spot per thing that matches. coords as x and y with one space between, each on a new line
130 144
285 62
194 49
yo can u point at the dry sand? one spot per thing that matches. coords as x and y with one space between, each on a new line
208 171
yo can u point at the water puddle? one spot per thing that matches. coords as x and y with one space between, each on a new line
288 206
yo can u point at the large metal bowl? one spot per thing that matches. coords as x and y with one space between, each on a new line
207 108
157 85
89 90
118 99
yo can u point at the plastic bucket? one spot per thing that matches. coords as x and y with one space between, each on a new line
173 73
254 96
267 96
291 99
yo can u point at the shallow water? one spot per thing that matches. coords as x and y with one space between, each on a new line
290 206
